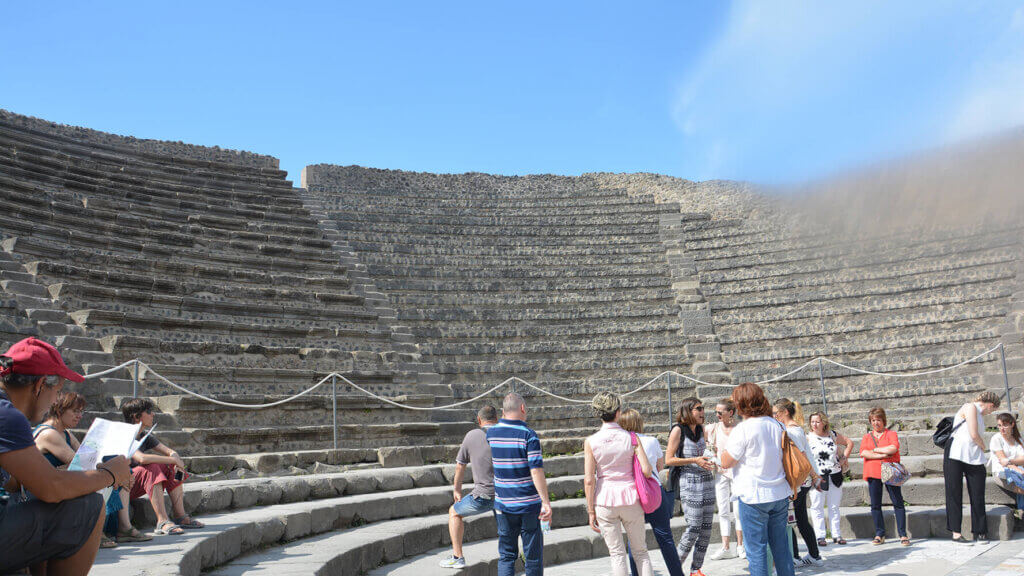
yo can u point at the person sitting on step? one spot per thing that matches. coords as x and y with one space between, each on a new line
58 530
476 452
157 470
1007 458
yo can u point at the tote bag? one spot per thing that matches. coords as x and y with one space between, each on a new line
647 489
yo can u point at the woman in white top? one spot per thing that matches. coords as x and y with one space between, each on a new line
754 454
965 458
1008 457
792 416
717 437
631 421
824 443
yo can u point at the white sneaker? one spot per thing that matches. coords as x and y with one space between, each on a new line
723 553
453 562
741 552
809 560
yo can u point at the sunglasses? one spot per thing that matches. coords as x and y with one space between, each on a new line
721 412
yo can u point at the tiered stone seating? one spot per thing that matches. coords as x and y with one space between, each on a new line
205 264
550 279
780 293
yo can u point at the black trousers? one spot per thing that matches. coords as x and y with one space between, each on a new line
803 524
954 472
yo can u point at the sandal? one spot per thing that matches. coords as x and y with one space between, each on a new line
190 524
840 541
822 542
904 541
133 535
167 527
106 542
878 540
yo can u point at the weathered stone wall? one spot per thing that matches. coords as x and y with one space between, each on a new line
182 150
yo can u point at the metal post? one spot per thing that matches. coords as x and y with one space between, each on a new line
1006 378
334 407
821 377
668 387
135 380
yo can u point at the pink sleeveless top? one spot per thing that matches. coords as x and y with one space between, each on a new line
613 450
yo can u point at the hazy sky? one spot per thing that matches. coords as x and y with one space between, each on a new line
761 90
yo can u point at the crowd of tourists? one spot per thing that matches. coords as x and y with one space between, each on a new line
756 464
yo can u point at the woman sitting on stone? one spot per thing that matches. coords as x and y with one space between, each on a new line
1007 457
52 437
157 470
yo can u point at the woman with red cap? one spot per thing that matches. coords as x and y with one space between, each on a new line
57 532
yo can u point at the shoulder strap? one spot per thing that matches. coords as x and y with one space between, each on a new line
632 437
39 430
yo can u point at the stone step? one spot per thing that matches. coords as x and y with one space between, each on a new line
445 204
435 247
456 219
24 288
485 331
559 366
610 344
515 274
638 240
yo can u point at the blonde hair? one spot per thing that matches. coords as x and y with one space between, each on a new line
824 421
989 397
631 421
795 411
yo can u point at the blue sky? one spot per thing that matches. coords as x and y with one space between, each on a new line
769 90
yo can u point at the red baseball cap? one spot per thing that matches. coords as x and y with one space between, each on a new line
35 357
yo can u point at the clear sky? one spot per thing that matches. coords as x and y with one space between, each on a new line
762 90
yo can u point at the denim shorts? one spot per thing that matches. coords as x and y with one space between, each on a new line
471 505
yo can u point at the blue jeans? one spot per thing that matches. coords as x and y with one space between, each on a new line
896 495
1015 479
659 522
510 528
764 526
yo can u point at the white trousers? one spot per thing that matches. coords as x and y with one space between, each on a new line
817 503
612 520
728 509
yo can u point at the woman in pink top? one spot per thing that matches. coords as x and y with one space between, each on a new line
612 500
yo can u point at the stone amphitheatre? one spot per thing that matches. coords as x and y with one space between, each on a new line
221 275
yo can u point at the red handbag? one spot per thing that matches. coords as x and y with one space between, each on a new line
647 489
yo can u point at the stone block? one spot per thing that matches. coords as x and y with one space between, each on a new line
378 509
293 489
399 456
268 493
243 496
361 483
424 477
296 525
391 480
323 519
322 487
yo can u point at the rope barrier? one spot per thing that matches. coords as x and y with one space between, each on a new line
516 379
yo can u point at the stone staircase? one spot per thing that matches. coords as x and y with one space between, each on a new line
394 521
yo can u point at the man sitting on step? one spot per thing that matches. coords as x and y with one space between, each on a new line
477 453
157 469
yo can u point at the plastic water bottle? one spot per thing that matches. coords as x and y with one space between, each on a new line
545 526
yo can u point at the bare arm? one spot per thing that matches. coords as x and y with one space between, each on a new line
727 460
51 441
164 455
847 444
541 483
674 439
645 463
590 483
52 485
971 419
460 468
661 464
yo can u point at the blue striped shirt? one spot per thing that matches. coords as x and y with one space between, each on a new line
515 450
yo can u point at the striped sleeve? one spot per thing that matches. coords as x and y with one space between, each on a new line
533 454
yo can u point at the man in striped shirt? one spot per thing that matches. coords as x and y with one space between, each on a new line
520 490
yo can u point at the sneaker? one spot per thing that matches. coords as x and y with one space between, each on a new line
741 552
961 540
982 540
809 560
723 553
696 572
453 562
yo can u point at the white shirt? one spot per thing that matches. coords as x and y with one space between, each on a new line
654 453
1011 452
756 445
962 447
717 439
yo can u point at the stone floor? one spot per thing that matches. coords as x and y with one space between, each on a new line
932 557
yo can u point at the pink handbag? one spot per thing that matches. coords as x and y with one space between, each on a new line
647 489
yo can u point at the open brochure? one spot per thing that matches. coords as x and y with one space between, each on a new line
106 438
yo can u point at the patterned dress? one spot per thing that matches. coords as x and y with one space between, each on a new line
697 492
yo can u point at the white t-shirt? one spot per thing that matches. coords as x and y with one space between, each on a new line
758 477
999 443
654 452
961 446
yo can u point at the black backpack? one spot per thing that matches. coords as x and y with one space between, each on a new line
944 431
